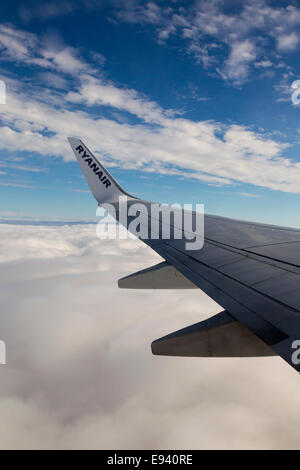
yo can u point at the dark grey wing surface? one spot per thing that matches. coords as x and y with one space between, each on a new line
251 270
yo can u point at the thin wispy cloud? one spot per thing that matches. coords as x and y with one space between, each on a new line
248 194
19 167
13 184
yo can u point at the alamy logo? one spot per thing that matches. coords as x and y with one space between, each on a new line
2 352
151 221
296 353
295 96
2 92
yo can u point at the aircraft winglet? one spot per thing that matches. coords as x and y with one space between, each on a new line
103 186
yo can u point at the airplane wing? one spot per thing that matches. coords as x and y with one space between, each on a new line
251 270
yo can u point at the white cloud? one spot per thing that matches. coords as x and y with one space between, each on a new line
263 64
94 91
52 79
48 53
80 373
64 59
16 44
288 42
236 67
132 12
42 242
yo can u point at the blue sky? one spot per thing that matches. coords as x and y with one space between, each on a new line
186 102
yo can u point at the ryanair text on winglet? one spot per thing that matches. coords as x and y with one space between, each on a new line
93 166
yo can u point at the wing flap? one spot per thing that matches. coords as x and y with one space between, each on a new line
218 336
160 276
